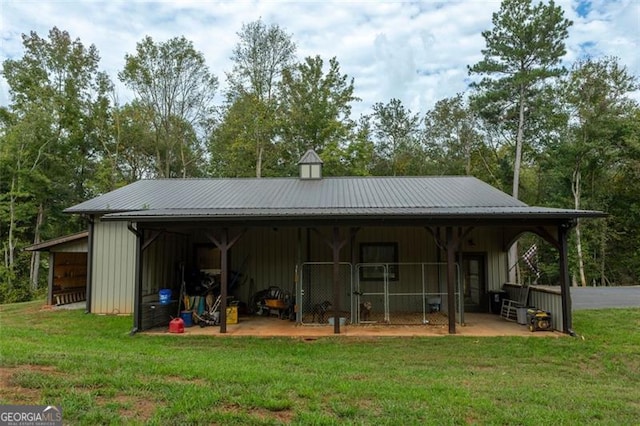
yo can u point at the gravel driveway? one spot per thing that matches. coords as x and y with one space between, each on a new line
605 297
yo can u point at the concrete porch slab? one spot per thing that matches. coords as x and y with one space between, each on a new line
486 325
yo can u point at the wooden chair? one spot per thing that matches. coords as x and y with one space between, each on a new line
519 298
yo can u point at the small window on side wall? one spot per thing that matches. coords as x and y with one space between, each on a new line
380 256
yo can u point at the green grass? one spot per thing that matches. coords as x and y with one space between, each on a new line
100 375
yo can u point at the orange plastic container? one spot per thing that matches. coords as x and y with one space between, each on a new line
176 326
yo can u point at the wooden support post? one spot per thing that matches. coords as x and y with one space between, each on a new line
154 236
451 279
336 246
224 244
452 243
565 290
52 266
461 271
298 281
355 309
224 248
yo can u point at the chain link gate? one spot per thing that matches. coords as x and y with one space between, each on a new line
403 293
315 292
382 293
372 293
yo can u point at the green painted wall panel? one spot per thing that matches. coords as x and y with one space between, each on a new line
113 273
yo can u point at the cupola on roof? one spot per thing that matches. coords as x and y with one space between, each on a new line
310 165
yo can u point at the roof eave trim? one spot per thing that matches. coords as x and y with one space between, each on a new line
351 216
67 239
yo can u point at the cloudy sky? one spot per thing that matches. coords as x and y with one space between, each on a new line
415 51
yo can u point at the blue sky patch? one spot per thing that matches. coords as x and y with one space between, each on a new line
583 8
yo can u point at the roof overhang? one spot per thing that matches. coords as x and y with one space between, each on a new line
471 215
49 244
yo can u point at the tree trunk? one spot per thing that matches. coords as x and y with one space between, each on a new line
575 189
603 253
34 273
467 155
513 251
159 165
117 136
519 140
466 149
12 226
5 251
259 162
184 162
583 280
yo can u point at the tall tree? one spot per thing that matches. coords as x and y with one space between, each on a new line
249 122
523 52
451 133
133 147
396 131
51 138
359 155
174 81
21 176
237 148
259 59
316 112
623 204
597 95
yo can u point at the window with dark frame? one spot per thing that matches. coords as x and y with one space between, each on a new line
379 253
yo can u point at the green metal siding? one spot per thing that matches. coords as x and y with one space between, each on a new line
72 247
271 254
269 257
113 274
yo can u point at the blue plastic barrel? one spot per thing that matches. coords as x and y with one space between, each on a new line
187 317
165 296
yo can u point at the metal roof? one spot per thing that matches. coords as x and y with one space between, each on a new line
310 157
318 213
47 245
458 196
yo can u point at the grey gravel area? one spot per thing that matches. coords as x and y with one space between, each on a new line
72 306
605 297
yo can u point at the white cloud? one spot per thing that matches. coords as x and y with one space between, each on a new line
416 52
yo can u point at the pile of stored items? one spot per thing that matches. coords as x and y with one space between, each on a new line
274 301
200 301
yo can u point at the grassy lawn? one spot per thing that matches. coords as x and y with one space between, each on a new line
99 374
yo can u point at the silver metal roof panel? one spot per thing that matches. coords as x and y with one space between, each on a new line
282 193
288 197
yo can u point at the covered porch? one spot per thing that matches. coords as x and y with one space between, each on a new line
476 325
325 265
